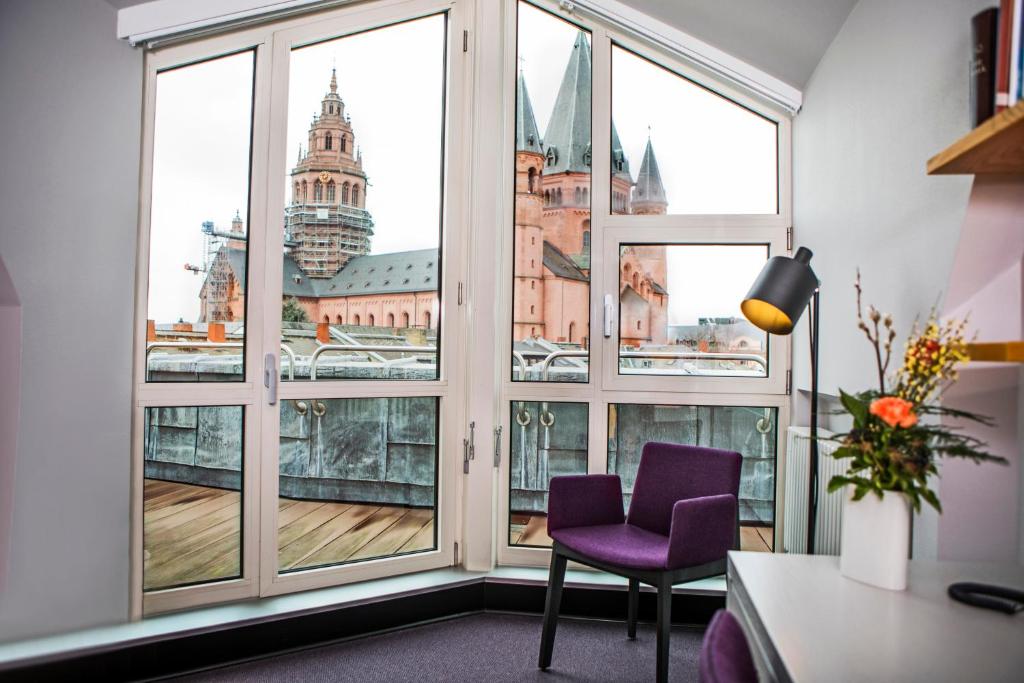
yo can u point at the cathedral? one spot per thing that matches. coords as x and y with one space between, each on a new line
330 273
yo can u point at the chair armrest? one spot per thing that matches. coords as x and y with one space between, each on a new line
703 530
584 500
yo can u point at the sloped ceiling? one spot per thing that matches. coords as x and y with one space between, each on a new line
785 38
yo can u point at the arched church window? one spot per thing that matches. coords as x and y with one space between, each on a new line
531 180
586 240
586 196
344 193
405 319
330 192
547 197
329 140
558 196
572 331
369 320
355 195
297 195
338 320
342 142
636 281
327 319
391 320
426 319
318 192
578 196
355 320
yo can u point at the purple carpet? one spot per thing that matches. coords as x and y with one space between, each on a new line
479 647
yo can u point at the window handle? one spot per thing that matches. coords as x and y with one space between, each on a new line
609 315
270 377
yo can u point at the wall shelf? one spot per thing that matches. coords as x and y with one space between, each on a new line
996 146
1000 352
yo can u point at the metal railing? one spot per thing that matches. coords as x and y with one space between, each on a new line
545 365
378 348
216 345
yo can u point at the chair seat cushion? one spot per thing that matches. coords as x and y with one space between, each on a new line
622 545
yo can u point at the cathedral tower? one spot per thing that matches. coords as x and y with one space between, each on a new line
528 284
327 219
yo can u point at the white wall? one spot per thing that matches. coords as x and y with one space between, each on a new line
890 92
69 157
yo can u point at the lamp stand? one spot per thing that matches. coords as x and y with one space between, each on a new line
812 486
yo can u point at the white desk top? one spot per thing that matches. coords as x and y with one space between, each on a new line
823 626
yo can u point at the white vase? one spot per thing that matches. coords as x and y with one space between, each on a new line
876 539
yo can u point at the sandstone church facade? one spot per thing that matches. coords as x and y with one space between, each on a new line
330 272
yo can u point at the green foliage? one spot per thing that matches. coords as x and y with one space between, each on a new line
293 312
884 457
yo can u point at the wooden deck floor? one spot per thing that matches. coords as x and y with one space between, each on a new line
529 529
192 533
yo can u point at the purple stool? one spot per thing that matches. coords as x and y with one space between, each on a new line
725 655
682 521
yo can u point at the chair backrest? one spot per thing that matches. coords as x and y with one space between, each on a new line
725 654
671 472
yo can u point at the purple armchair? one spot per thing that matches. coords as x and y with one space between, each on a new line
682 521
725 655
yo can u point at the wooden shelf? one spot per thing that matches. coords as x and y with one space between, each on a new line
1000 352
996 146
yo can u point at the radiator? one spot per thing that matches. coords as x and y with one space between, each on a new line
830 507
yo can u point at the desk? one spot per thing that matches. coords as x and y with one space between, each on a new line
808 623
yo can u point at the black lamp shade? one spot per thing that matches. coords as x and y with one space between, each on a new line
781 292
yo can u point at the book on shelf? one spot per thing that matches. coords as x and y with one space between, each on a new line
1009 63
984 26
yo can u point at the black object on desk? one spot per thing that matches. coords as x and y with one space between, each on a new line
998 598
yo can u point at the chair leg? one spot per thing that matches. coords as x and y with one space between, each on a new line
634 600
664 626
556 578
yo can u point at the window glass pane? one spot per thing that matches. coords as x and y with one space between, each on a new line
362 267
199 221
548 439
679 148
192 500
679 310
752 432
358 480
551 261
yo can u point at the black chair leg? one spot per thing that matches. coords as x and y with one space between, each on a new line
634 599
664 626
554 596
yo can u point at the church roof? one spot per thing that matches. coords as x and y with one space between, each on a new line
561 265
620 164
648 182
402 271
567 139
527 135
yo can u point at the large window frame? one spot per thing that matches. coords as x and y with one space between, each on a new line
272 43
606 386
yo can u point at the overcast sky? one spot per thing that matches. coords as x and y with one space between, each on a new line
713 155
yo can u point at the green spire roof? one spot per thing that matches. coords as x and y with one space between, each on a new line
649 188
567 139
620 164
527 135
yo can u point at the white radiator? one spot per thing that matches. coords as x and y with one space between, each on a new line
830 505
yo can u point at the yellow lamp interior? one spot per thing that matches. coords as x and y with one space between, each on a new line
767 317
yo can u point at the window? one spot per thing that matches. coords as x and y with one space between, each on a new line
698 152
198 183
354 487
674 245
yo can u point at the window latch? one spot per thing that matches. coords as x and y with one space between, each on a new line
609 315
270 377
468 449
497 446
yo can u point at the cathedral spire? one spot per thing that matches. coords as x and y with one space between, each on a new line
334 80
567 139
649 192
527 135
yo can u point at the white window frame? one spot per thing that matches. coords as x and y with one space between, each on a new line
605 385
273 42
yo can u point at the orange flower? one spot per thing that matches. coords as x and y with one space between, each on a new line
894 411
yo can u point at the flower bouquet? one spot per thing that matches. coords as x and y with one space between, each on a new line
896 439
